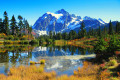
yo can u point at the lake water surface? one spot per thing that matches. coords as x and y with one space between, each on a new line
63 60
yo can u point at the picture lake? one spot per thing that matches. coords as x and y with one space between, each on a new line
62 59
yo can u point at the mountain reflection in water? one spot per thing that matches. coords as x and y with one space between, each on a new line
54 56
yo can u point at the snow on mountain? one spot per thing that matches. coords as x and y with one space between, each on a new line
62 21
101 21
55 15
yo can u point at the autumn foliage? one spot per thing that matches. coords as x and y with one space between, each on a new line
32 72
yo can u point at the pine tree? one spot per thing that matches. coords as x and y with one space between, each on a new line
1 26
72 35
30 30
105 31
59 36
79 34
27 26
54 35
50 34
20 24
24 25
117 27
110 28
6 23
83 31
99 32
65 36
92 32
13 25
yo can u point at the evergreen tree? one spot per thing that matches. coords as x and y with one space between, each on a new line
16 30
13 25
6 23
105 31
30 30
92 32
1 26
27 26
24 25
117 27
59 36
65 36
110 28
54 36
20 24
79 34
50 34
83 31
72 35
99 32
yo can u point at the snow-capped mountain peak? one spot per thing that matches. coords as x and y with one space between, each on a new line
62 21
55 15
62 11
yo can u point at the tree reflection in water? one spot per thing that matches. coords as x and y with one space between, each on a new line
21 55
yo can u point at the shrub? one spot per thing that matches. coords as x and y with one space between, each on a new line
42 61
32 62
114 44
49 41
11 37
2 35
42 40
6 38
23 38
26 42
16 38
114 78
101 46
34 42
112 62
8 42
1 42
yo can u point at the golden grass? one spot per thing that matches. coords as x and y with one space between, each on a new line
81 42
60 42
28 73
87 72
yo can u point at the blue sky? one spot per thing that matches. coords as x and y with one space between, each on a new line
33 9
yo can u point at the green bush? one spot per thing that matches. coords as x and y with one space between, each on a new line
10 37
42 40
34 42
101 46
114 44
26 42
8 42
16 38
23 38
6 38
49 41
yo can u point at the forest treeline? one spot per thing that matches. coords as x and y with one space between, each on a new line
12 27
101 32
